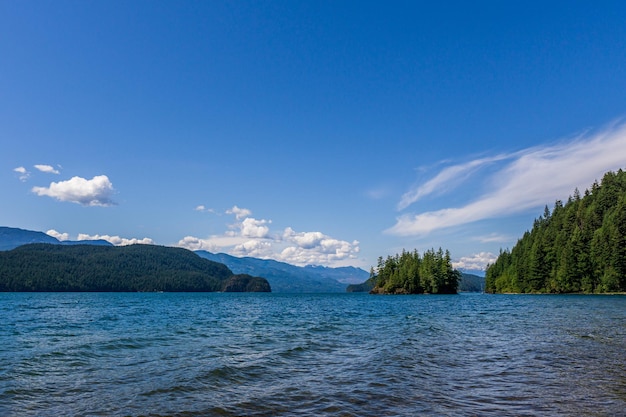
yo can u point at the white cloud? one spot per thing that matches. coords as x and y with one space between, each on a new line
255 248
58 235
252 237
240 232
24 174
94 192
48 169
116 240
195 243
251 227
475 262
211 244
202 208
305 240
316 248
239 213
530 179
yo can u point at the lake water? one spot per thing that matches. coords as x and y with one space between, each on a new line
108 354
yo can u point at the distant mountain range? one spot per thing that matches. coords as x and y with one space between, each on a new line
284 277
11 238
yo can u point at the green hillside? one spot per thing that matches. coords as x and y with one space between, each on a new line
48 267
578 247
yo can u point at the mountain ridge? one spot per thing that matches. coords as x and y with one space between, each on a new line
13 237
284 277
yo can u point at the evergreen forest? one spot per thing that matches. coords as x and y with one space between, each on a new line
410 273
50 267
579 247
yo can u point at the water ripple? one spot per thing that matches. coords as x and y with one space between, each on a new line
311 355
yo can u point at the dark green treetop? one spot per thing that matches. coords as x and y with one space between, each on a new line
410 273
579 247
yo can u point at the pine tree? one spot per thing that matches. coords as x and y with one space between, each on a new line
579 247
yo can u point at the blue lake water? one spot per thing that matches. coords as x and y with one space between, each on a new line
177 354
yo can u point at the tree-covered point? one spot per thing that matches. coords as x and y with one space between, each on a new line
47 267
579 247
467 283
366 286
410 273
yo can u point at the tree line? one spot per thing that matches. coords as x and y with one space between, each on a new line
578 247
410 273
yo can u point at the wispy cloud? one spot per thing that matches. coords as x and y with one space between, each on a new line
24 174
249 236
529 179
204 209
97 191
494 237
377 193
48 169
445 181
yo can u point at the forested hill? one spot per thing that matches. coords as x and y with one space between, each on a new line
579 247
48 267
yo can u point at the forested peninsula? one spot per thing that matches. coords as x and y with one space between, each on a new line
410 273
49 267
579 247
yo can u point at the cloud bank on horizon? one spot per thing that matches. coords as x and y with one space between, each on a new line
523 180
252 237
114 240
249 236
476 262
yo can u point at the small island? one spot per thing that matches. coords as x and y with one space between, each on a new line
410 273
44 267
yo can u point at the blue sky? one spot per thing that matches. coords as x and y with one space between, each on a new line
309 132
